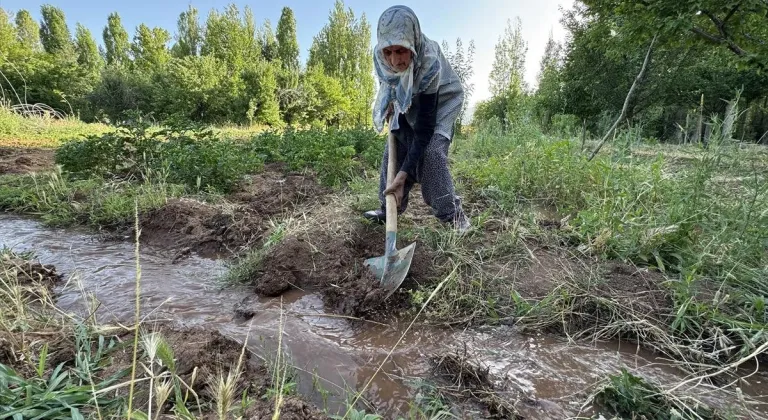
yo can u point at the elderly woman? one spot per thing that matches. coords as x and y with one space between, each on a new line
421 96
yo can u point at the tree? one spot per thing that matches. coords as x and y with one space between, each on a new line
86 49
267 42
28 31
509 62
738 26
54 32
461 63
189 36
116 41
343 48
548 98
287 41
149 48
552 57
7 37
231 38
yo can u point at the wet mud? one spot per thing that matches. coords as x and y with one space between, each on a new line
188 226
333 266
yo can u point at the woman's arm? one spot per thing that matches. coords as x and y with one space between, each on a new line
426 120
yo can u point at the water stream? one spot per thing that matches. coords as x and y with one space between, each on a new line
556 373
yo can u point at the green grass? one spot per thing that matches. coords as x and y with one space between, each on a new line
708 237
630 396
60 201
46 132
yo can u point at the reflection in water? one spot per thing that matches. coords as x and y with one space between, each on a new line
556 373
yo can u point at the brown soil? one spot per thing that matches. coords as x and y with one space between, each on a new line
208 356
211 230
14 160
635 288
333 265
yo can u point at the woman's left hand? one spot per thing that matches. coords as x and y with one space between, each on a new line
397 187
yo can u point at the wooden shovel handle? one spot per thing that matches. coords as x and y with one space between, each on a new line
391 172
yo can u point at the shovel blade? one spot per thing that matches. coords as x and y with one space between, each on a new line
391 270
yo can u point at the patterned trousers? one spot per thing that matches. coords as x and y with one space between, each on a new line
432 173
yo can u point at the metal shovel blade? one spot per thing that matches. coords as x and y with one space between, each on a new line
391 268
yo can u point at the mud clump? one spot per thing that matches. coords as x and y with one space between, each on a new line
471 383
29 274
639 289
293 408
212 230
202 357
274 190
192 225
333 266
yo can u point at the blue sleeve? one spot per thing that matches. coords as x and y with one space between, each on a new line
426 120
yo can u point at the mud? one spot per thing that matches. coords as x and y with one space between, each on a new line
222 230
333 266
15 160
471 383
30 274
202 357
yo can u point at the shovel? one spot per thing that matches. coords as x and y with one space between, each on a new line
391 268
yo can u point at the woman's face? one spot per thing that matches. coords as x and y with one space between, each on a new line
398 57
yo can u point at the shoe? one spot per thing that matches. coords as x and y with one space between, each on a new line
376 216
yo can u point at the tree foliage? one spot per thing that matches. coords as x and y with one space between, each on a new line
86 49
604 50
116 41
28 31
462 64
287 41
189 34
343 49
54 32
509 61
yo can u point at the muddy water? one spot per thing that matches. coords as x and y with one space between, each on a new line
549 369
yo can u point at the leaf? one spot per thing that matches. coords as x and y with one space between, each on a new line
41 363
76 414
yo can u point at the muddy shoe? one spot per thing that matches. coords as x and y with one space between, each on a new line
376 216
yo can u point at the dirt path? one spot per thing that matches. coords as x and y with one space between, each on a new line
15 160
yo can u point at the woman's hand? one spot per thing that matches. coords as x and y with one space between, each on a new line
397 187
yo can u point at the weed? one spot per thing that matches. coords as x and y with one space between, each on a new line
630 396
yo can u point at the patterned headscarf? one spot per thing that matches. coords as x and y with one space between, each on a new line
398 25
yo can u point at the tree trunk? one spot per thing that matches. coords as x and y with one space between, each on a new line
623 114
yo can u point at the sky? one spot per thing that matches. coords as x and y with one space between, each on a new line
480 20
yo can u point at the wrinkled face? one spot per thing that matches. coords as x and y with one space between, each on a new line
398 57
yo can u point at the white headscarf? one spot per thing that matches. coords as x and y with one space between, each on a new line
398 25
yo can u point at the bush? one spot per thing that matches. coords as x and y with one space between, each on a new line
192 157
335 155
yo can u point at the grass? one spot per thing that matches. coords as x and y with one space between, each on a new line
61 201
630 396
42 131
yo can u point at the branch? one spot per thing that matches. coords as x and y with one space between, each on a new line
623 114
734 10
707 35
